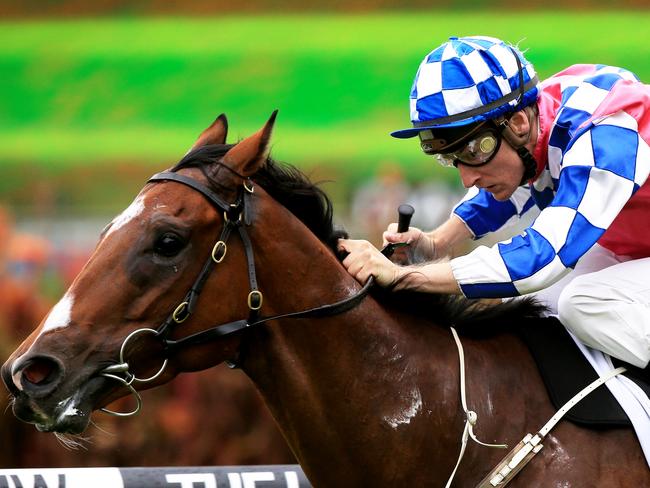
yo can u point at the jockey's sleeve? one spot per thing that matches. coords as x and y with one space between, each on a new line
483 214
601 170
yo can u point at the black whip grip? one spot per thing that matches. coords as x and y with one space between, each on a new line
405 213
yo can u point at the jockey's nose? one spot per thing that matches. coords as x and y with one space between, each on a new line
36 375
468 175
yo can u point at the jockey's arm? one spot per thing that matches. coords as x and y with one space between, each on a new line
453 232
365 260
430 278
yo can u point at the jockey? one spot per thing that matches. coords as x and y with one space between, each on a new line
574 146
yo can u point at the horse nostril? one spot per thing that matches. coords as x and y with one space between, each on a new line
38 371
39 374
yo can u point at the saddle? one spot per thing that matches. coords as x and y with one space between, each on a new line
566 371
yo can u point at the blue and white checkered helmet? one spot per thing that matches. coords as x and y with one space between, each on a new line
467 80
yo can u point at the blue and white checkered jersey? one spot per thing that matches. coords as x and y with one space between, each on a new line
593 163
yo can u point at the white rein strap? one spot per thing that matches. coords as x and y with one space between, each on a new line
470 416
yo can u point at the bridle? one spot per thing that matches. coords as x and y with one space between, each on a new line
237 217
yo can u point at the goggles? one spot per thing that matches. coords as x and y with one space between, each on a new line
476 150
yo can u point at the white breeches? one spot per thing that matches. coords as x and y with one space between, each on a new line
605 302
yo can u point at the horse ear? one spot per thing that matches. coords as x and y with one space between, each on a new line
215 134
250 154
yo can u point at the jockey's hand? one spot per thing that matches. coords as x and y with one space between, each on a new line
365 260
421 246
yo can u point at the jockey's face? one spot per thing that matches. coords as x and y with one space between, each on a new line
503 174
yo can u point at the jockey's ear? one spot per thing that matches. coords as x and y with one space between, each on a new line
215 134
249 155
519 123
518 127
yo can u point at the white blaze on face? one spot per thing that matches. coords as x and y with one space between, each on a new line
58 318
60 315
128 215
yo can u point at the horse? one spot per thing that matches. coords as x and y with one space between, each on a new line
363 382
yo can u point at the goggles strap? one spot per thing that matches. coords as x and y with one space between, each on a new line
518 143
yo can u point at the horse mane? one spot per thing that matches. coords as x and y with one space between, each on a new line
285 183
309 203
471 317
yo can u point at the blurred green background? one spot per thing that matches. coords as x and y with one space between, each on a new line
90 106
96 96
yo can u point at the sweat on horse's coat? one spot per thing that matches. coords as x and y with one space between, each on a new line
412 406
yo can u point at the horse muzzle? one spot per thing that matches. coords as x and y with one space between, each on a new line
42 397
70 414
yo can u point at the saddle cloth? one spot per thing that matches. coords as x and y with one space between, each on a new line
567 366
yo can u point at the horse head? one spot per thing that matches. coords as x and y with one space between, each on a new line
151 279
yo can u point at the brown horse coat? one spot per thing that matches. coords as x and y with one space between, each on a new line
369 397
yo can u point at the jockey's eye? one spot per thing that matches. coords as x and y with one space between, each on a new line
168 245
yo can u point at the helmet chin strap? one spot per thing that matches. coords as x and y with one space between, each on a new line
530 164
518 143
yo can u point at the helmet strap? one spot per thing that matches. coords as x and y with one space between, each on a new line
530 164
518 143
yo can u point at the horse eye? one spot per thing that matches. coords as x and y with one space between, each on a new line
168 245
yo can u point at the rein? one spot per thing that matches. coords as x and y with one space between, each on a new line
237 217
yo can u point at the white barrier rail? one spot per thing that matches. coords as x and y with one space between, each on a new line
273 476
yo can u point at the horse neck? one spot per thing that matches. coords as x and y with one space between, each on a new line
322 377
